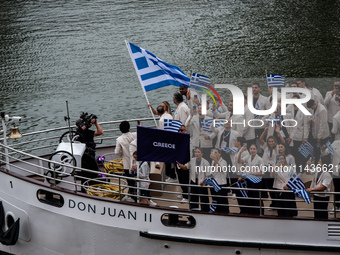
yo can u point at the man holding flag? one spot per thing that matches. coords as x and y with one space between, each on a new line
182 112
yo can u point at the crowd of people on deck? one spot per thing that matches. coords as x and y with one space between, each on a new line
218 149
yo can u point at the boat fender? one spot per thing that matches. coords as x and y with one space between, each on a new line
11 235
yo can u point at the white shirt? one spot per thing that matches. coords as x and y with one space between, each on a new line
220 176
325 179
332 105
122 147
282 176
252 166
164 116
182 113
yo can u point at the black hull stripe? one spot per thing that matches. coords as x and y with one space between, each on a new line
241 244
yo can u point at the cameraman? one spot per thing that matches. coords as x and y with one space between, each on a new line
87 135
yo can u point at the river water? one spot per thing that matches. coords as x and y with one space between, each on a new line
53 51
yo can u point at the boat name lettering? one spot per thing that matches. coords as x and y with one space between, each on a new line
109 211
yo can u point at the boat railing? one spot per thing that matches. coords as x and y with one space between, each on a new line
117 186
46 141
113 185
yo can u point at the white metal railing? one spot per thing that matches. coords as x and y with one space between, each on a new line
121 184
23 162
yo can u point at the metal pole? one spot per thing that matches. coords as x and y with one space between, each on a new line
4 129
69 127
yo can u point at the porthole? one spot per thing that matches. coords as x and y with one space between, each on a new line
178 220
51 198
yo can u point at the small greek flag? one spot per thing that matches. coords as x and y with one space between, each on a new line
213 205
243 185
295 183
219 123
275 80
301 193
172 125
306 149
252 178
199 81
257 107
212 182
330 148
153 72
226 149
274 120
206 124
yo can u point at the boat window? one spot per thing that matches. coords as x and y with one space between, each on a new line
51 198
178 220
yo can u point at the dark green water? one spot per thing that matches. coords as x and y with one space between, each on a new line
53 51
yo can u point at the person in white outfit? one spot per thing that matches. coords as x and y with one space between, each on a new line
321 182
122 150
141 170
331 104
320 129
182 112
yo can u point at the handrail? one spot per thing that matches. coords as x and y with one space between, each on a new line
33 168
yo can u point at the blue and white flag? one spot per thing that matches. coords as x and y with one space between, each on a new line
226 149
199 81
295 183
243 185
206 124
298 187
153 72
306 149
276 119
275 80
301 193
219 123
252 178
162 146
330 148
213 205
257 107
172 125
212 182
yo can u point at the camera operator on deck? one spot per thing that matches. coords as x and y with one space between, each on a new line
88 160
83 124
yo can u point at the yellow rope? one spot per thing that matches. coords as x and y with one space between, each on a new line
105 190
114 166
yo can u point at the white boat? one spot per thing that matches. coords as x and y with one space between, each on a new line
45 212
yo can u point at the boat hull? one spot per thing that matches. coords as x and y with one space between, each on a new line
86 224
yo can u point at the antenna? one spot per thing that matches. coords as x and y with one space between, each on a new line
67 118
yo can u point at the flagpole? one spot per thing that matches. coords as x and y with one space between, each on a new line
134 64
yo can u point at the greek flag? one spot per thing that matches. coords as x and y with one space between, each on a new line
213 205
295 183
219 123
306 149
301 193
206 124
252 178
153 72
275 80
330 148
243 185
199 81
172 125
226 149
257 107
274 120
212 182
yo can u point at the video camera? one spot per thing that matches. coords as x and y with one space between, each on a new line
85 120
